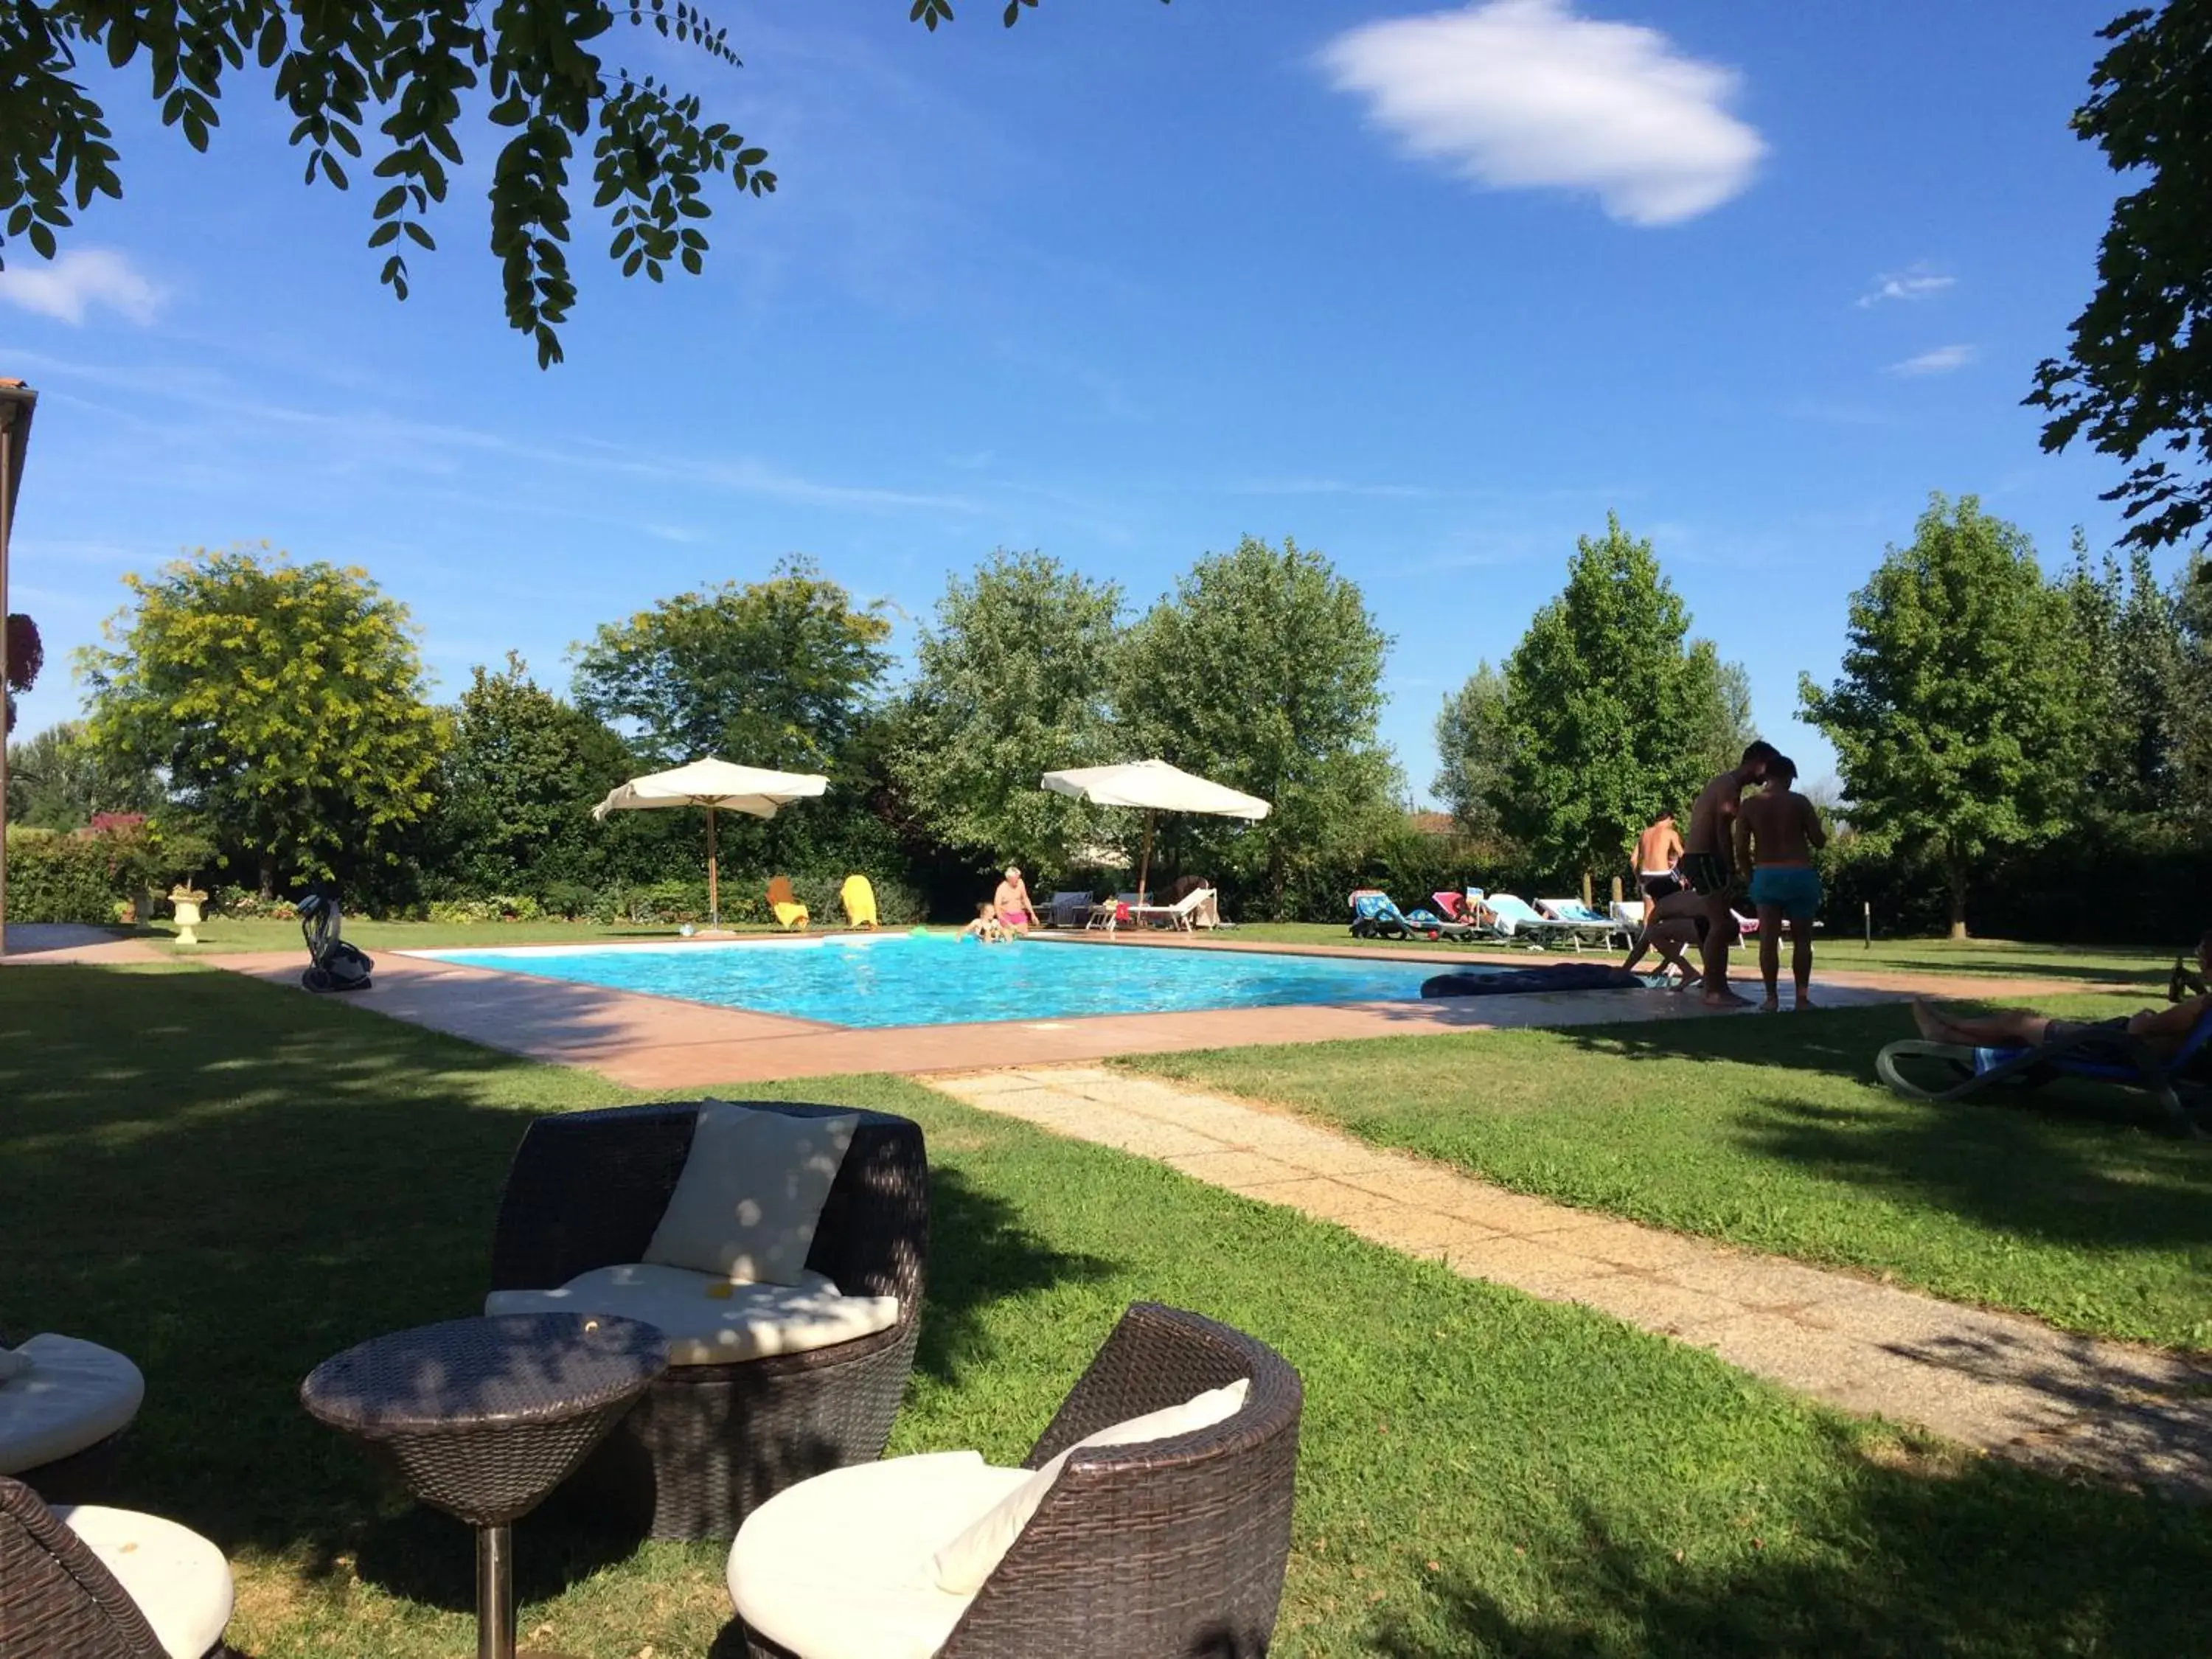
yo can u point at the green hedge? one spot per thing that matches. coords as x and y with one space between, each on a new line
57 877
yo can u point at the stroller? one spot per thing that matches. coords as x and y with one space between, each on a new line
332 964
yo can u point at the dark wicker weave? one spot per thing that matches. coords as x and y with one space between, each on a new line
708 1444
1166 1549
481 1418
57 1600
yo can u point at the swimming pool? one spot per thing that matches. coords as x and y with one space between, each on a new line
936 979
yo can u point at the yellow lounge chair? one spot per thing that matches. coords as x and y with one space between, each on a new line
859 898
785 903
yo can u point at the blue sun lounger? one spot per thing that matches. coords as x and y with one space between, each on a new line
1375 916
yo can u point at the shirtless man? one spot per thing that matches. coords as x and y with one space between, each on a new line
1656 849
1016 914
1776 832
1706 866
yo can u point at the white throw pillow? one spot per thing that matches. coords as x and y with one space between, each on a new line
751 1193
962 1565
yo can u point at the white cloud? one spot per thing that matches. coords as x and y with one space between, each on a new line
80 279
1905 285
1523 94
1942 360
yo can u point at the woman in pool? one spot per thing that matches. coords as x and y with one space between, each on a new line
1016 913
986 926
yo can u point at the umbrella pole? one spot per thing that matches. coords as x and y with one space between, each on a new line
1144 869
713 876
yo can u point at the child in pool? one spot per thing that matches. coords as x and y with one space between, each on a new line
986 926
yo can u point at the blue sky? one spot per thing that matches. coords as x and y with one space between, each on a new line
1430 290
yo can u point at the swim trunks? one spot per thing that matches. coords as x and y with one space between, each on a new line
1659 884
1794 890
1708 874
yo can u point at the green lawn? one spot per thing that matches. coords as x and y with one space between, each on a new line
231 1182
2092 963
1773 1133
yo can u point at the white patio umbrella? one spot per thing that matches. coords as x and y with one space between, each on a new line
719 787
1154 786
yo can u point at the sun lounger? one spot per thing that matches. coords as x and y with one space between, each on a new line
1375 916
858 896
1177 915
1587 923
1515 919
2098 1053
1069 909
784 905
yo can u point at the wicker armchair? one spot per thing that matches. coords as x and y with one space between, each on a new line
1172 1549
709 1443
58 1600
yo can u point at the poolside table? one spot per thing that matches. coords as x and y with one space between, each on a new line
483 1418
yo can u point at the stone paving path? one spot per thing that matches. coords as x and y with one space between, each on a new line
2006 1383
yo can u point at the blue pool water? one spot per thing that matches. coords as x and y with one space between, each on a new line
899 979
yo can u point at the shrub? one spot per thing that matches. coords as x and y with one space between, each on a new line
58 877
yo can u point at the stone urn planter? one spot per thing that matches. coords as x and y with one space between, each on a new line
187 902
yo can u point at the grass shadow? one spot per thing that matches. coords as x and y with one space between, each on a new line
1895 1570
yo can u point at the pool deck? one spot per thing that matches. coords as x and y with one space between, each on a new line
649 1042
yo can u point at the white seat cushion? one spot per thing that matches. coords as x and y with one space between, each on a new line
179 1581
973 1551
72 1394
750 1193
708 1320
837 1567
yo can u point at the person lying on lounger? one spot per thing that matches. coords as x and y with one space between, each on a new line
2161 1030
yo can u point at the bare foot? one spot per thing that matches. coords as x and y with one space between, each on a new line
1771 1003
1804 1000
1930 1022
1724 999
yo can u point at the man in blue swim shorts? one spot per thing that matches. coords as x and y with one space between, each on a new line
1776 832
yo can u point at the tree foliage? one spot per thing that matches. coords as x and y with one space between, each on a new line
518 785
1014 679
26 655
2136 379
1474 753
2189 701
59 779
1611 716
421 74
777 673
1264 671
2130 631
1960 722
285 702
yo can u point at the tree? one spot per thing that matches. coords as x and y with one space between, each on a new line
2189 698
1015 679
1474 753
285 702
26 655
1264 671
58 781
1719 697
518 785
420 70
1959 721
775 674
2130 633
1612 716
2138 376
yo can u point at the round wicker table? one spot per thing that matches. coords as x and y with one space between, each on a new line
483 1418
